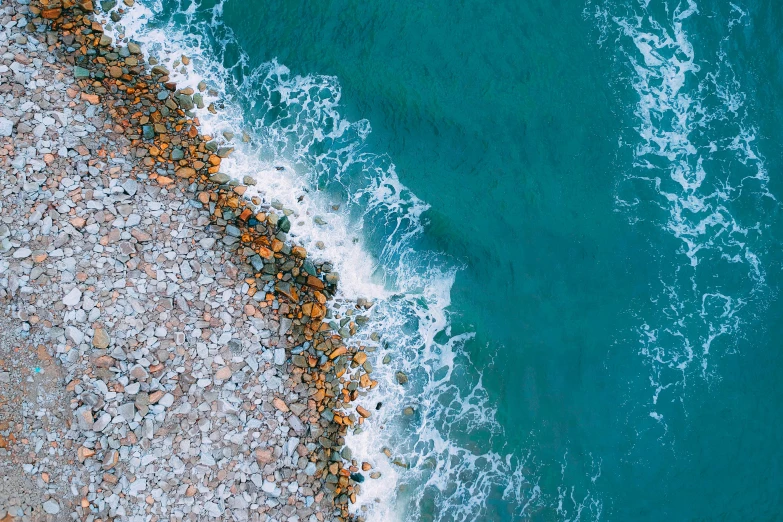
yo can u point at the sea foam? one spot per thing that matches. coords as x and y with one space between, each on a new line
697 169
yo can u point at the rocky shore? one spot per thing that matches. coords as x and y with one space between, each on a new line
166 351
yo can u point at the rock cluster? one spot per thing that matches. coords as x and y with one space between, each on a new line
204 371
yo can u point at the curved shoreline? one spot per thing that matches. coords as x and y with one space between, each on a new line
152 140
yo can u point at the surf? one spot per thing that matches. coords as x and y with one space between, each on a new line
696 168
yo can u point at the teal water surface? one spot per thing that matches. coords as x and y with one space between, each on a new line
602 179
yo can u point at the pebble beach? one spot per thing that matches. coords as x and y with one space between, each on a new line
166 352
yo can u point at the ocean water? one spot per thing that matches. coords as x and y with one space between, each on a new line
567 214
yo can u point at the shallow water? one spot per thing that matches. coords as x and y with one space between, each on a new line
567 213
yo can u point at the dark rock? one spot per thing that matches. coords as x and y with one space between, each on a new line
80 72
284 224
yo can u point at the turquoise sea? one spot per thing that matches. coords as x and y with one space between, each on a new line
567 213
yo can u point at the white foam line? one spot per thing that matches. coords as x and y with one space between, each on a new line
411 288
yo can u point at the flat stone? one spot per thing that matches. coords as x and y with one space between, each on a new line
22 253
102 422
51 507
80 72
74 334
130 186
127 411
219 178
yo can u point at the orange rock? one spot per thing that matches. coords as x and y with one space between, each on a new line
337 352
84 453
186 172
165 181
51 14
364 413
91 98
315 283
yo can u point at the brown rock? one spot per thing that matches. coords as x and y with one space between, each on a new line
104 361
78 222
280 405
186 172
100 339
314 282
364 413
264 456
51 14
338 352
140 235
115 72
